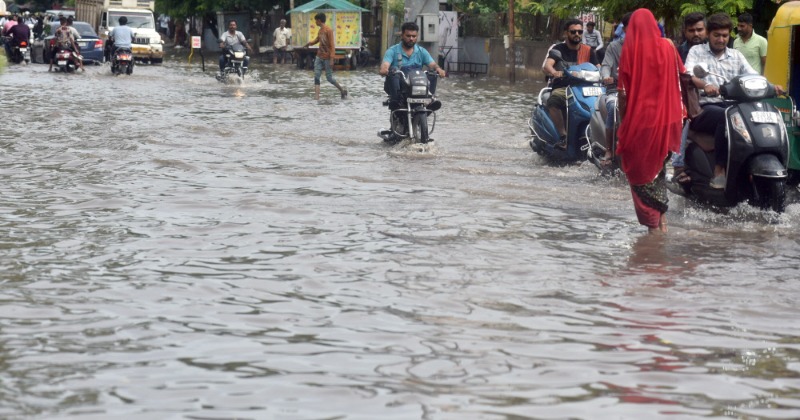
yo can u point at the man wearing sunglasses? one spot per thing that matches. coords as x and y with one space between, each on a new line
573 52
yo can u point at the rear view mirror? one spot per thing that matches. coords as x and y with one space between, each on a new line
700 71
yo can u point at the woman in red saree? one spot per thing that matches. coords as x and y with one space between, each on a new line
651 127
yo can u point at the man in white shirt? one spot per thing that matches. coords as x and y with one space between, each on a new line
282 37
229 39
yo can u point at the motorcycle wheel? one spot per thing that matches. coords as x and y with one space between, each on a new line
771 193
129 71
122 69
420 122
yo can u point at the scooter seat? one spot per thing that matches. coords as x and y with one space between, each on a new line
704 140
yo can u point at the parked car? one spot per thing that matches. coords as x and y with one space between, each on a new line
91 45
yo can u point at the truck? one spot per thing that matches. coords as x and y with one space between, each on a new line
104 15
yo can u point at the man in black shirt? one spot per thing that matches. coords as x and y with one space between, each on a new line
694 33
572 52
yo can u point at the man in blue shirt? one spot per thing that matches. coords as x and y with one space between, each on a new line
122 35
405 56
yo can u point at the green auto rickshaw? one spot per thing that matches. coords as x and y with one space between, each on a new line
783 68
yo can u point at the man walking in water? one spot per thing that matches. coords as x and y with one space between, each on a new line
324 59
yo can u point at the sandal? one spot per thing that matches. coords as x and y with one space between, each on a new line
681 178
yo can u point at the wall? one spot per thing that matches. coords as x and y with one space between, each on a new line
529 56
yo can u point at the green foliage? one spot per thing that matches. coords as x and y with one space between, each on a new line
186 8
669 10
396 9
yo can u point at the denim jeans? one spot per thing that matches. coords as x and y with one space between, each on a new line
319 65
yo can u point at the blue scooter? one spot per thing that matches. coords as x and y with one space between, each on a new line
583 89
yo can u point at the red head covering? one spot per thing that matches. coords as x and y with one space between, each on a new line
648 71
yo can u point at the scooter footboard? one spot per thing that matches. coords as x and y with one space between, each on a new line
542 126
767 166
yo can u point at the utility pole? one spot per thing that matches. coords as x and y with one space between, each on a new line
512 56
384 25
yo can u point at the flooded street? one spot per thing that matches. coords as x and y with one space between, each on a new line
176 248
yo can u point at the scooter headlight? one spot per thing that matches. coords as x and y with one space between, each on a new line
420 90
754 87
589 76
737 122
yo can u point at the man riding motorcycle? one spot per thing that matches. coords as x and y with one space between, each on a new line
65 40
17 34
694 33
229 39
120 37
573 51
609 71
405 56
728 63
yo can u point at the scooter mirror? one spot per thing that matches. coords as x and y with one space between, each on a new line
700 71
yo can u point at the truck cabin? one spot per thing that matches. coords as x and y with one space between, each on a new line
136 20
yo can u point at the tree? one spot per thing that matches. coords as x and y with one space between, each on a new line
669 10
186 8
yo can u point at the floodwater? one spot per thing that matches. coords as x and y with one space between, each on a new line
176 248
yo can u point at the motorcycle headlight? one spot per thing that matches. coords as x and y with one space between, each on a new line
239 55
737 122
419 90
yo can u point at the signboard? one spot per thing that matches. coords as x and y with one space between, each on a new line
346 28
195 42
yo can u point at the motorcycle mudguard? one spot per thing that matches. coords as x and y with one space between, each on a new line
578 105
597 124
767 166
542 126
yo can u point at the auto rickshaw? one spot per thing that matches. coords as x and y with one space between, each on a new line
783 68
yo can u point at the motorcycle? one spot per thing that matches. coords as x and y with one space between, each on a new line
122 61
582 92
597 134
20 53
411 121
364 54
66 60
234 63
758 149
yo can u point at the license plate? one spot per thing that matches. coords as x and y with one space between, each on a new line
592 91
418 100
23 50
765 117
62 62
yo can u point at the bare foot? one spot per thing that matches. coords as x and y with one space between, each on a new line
662 224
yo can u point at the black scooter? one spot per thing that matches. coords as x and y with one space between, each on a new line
758 149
